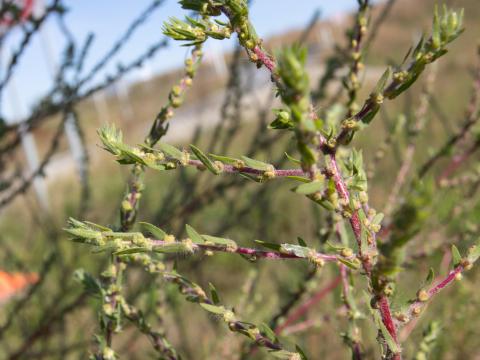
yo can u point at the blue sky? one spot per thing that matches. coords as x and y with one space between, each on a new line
109 18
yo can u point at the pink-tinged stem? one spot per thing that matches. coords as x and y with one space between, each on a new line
354 219
303 308
457 161
384 306
387 317
415 307
407 330
258 253
230 169
448 280
299 327
265 59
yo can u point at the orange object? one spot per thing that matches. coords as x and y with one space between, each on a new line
13 283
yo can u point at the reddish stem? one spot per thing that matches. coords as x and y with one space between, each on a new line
387 319
354 219
415 308
303 308
384 306
457 161
258 253
265 59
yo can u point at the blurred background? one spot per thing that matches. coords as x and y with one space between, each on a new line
66 72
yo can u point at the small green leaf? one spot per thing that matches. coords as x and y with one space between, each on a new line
430 277
194 235
250 177
301 242
255 164
325 204
205 160
171 151
300 251
456 257
170 248
310 188
383 81
292 159
96 226
158 233
377 219
213 291
268 332
272 246
299 178
133 250
308 156
219 310
473 253
91 285
301 352
281 354
392 345
225 159
349 263
219 240
335 246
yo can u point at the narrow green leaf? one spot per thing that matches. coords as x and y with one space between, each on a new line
171 151
303 356
383 81
334 246
301 242
97 227
219 310
430 277
364 233
158 233
194 235
281 354
300 251
456 257
225 159
325 204
392 345
272 246
213 291
377 219
473 253
255 164
250 177
91 285
292 159
133 250
310 188
170 248
219 240
299 178
351 264
268 332
205 160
